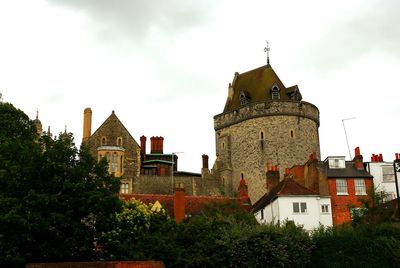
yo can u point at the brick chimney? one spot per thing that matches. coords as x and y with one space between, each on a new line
244 198
205 161
87 124
156 145
272 178
358 159
179 203
160 145
143 145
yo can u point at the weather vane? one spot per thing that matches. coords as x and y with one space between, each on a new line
266 49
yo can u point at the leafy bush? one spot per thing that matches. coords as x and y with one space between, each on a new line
365 245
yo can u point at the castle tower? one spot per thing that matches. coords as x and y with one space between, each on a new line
263 122
87 124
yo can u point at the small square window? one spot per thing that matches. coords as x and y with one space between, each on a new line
325 208
299 207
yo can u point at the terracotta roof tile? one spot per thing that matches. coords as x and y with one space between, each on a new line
287 187
193 204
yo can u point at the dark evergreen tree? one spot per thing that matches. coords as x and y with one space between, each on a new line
55 200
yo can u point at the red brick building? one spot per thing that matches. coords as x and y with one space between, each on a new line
347 183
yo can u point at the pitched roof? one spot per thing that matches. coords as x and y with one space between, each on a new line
349 172
256 84
287 187
113 118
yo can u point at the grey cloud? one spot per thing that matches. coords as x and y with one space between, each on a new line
375 29
134 20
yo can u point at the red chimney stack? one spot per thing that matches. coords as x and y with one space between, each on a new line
157 145
358 159
179 203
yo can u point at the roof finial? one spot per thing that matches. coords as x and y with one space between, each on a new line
37 114
65 128
266 49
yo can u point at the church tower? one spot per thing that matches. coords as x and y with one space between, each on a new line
264 124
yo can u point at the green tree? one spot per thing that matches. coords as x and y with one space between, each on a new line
55 200
141 233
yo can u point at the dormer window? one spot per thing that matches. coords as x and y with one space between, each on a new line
275 94
336 162
244 99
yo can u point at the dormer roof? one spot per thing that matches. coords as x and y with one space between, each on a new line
257 85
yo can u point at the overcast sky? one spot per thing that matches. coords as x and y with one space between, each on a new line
164 66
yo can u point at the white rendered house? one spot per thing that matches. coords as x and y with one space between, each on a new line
384 179
290 201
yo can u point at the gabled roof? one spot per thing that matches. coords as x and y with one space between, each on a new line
256 84
114 119
287 187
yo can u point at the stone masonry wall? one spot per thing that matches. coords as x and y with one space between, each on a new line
112 129
163 185
283 133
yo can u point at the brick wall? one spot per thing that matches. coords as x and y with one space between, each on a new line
341 204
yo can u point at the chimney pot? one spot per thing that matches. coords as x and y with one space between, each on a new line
205 161
357 151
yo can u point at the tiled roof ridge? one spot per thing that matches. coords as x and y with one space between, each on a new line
256 69
292 181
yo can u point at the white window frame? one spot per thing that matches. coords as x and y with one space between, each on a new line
325 208
301 207
341 187
359 185
387 173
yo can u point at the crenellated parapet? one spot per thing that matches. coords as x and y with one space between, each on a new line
267 108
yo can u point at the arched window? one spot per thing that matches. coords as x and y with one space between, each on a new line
275 94
103 141
261 135
243 98
242 175
119 142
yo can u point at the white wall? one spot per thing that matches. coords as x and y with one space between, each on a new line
282 209
375 168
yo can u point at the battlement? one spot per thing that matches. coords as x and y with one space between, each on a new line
267 108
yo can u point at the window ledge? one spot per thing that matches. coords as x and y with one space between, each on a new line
361 193
342 193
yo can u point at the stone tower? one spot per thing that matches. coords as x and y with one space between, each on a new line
264 124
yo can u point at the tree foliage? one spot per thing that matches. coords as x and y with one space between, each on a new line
55 200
